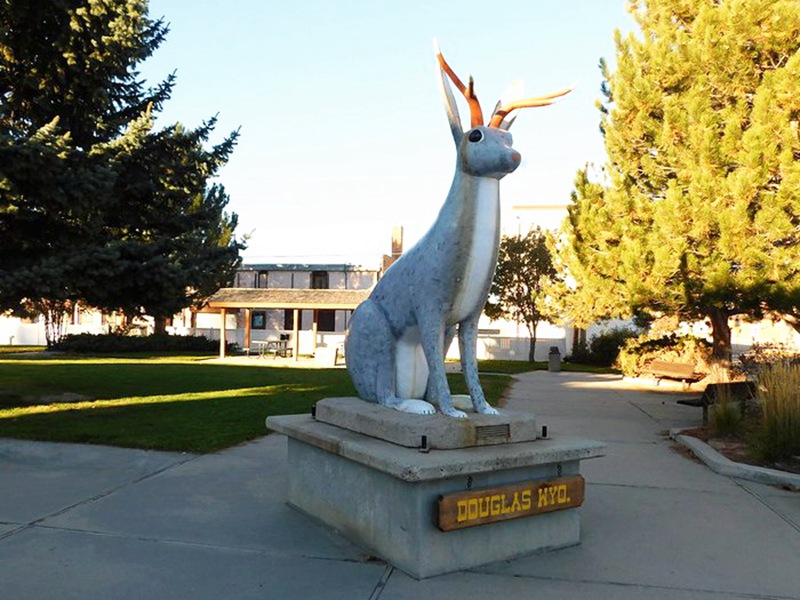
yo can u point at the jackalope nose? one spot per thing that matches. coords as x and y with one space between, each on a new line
516 157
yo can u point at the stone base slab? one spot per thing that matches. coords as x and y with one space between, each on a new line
431 431
384 497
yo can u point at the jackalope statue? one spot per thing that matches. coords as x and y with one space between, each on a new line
398 337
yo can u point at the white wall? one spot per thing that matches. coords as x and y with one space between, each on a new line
245 279
337 280
358 280
280 279
341 320
16 332
19 332
767 331
301 280
212 321
596 329
510 348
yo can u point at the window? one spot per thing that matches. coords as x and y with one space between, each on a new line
326 320
258 319
288 320
319 280
263 279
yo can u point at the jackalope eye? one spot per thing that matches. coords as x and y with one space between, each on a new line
475 135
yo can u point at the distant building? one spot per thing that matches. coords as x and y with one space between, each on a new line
286 300
308 304
522 218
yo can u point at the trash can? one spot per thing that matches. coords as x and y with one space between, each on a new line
554 360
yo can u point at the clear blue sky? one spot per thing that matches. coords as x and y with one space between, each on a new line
343 129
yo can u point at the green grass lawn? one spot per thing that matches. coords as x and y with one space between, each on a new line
6 349
165 403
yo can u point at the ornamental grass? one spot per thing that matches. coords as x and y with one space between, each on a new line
778 437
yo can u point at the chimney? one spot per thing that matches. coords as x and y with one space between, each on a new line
397 242
397 248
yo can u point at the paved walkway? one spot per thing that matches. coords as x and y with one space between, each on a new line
89 522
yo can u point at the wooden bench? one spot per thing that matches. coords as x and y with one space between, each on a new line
735 391
684 372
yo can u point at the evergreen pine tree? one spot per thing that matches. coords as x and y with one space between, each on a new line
95 205
698 214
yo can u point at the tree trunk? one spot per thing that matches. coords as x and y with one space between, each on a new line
578 341
793 321
56 315
532 343
721 340
160 326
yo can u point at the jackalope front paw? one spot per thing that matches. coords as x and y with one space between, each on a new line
453 412
415 407
480 405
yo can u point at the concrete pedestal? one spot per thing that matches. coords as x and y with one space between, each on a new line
439 432
384 496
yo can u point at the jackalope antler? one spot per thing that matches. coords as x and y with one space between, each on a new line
501 111
399 336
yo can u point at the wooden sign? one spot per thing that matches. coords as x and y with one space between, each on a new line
479 507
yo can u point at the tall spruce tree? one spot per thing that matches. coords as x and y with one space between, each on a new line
697 211
95 205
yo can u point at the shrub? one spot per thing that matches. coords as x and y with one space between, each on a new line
579 354
760 356
86 343
726 413
726 419
778 437
604 347
637 353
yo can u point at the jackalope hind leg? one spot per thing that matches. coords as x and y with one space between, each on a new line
467 341
387 390
372 348
369 349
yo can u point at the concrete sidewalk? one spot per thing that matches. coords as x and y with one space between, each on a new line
106 523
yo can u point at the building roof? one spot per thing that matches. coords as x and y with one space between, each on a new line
287 298
308 266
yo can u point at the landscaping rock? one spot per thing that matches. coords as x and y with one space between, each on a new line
63 398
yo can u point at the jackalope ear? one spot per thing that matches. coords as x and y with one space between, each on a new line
450 105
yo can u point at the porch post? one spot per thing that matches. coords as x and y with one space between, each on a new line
223 317
296 334
314 329
247 313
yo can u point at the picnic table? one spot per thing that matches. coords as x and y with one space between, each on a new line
274 347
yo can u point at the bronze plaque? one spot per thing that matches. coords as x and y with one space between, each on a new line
479 507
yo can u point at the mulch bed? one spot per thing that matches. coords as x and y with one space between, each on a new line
736 449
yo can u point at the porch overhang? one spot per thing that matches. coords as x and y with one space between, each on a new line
251 299
258 298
